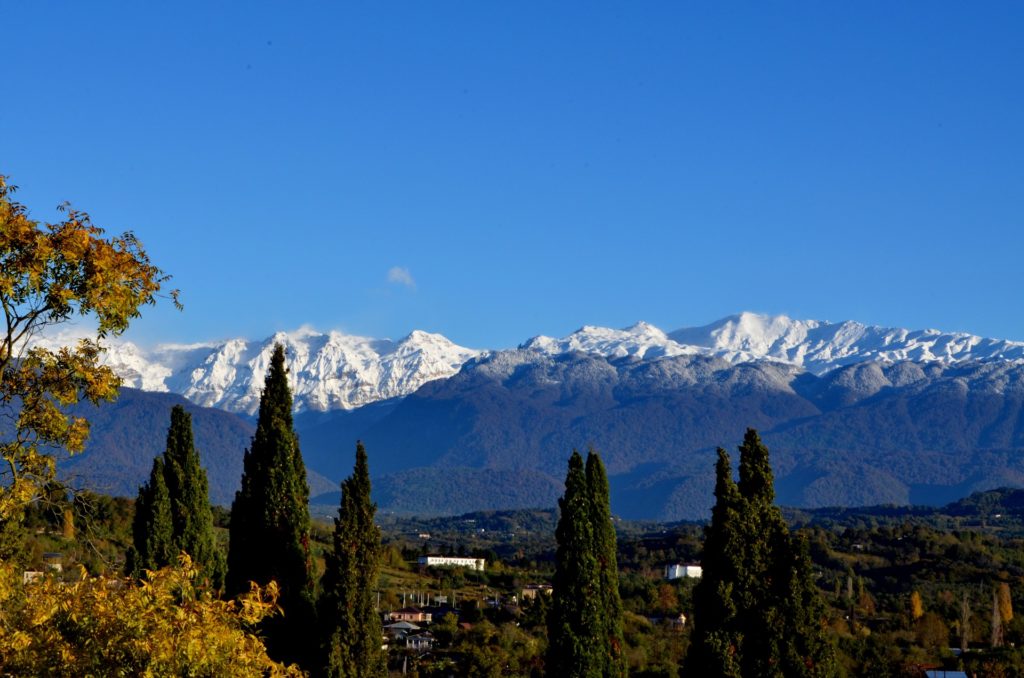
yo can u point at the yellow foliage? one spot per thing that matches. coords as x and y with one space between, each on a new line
916 606
163 626
1005 602
48 274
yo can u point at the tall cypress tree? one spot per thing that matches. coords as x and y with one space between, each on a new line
610 615
152 526
716 640
270 522
574 628
348 611
172 512
190 504
757 611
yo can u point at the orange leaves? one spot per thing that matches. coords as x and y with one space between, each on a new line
48 274
165 625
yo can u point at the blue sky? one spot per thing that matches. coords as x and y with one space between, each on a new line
492 171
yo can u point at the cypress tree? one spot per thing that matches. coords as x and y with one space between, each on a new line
574 628
716 640
347 607
610 615
191 516
152 526
757 611
172 512
806 651
269 531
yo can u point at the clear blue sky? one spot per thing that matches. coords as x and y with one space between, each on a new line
532 167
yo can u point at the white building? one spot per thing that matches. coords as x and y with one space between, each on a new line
679 571
453 561
421 642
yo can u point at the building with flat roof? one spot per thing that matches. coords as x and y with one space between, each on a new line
453 561
680 570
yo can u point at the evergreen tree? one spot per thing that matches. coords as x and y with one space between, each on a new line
716 640
574 628
172 512
348 611
610 615
269 532
188 487
152 527
757 611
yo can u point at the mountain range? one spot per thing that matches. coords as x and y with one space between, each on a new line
854 414
331 371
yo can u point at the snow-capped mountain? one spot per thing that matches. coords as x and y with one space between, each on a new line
327 371
817 346
642 340
820 346
331 371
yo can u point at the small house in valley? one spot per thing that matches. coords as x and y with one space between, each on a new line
411 614
683 570
453 561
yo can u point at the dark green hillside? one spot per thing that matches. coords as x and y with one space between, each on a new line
496 435
860 435
128 433
446 491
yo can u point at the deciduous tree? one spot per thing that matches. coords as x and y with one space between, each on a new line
916 606
50 273
165 625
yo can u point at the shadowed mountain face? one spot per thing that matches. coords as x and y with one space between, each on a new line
127 434
498 433
864 434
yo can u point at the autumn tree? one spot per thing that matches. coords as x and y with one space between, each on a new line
49 274
348 611
1005 602
269 530
166 625
916 606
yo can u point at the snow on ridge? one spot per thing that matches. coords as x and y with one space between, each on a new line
641 340
327 371
820 346
333 370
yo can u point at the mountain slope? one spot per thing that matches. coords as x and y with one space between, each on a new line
864 434
128 433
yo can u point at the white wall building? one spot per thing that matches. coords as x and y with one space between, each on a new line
453 561
679 571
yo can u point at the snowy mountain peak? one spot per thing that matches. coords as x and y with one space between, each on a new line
334 370
642 341
327 371
820 346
